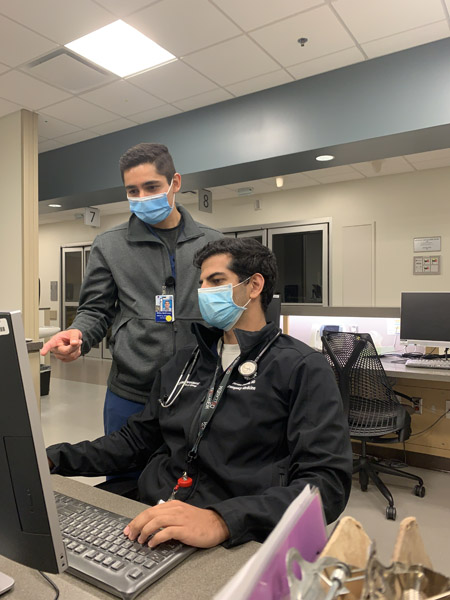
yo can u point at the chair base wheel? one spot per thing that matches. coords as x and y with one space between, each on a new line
391 513
419 490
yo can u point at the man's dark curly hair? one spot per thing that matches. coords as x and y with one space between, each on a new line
248 256
156 154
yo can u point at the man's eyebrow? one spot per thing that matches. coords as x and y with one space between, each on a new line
151 182
210 277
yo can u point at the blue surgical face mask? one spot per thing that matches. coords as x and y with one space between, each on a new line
218 307
152 209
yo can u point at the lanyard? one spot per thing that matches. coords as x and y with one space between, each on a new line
210 404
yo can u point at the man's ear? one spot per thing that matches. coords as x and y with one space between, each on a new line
176 183
257 285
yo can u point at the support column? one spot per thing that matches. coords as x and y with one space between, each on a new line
19 223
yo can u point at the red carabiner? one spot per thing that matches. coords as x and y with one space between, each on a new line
185 481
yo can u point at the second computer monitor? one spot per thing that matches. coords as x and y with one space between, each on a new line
425 318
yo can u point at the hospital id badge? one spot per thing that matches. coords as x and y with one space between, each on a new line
164 309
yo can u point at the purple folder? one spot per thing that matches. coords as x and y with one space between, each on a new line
308 536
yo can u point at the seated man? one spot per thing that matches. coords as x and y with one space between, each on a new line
233 430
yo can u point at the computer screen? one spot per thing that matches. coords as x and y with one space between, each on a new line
425 318
30 532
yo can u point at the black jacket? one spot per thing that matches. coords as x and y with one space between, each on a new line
268 438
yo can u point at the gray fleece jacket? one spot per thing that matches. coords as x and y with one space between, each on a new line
128 265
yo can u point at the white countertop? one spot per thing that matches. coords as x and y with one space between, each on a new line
395 367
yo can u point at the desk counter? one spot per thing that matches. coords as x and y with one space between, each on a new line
395 367
199 577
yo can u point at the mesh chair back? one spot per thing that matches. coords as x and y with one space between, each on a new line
373 408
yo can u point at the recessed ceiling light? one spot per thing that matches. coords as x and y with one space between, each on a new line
279 181
121 49
324 157
55 205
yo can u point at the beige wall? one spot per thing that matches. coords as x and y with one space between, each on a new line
401 206
11 212
55 235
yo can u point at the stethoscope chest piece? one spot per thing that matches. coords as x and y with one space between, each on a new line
248 369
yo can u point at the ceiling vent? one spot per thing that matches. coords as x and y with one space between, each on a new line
245 191
68 71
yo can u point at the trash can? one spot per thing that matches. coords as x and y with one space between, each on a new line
45 379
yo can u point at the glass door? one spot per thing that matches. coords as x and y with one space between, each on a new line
302 257
74 263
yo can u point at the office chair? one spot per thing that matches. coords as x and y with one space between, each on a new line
374 411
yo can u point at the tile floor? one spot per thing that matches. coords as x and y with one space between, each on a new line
73 412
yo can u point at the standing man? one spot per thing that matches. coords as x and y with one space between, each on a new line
255 416
135 270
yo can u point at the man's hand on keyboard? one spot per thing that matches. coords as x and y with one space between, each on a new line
179 521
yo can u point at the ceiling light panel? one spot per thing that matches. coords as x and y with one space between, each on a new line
121 49
69 72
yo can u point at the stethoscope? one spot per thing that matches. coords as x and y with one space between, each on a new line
248 370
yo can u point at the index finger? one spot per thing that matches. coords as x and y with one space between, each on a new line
134 527
70 337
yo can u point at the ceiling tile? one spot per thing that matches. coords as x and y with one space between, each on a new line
251 14
19 45
256 84
51 128
77 136
79 113
122 9
161 112
373 19
297 180
7 107
203 99
330 62
323 29
173 81
111 126
232 61
122 98
27 91
431 155
386 166
334 174
260 186
407 39
182 27
221 193
432 164
3 68
60 20
68 71
49 145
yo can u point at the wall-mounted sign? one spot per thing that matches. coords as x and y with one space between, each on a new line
205 200
427 265
427 244
92 216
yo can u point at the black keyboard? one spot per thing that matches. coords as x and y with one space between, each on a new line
98 551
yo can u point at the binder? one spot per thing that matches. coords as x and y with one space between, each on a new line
264 576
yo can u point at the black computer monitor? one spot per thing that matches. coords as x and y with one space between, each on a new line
29 528
425 318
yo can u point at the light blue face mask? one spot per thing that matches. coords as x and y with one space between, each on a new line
152 209
217 306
